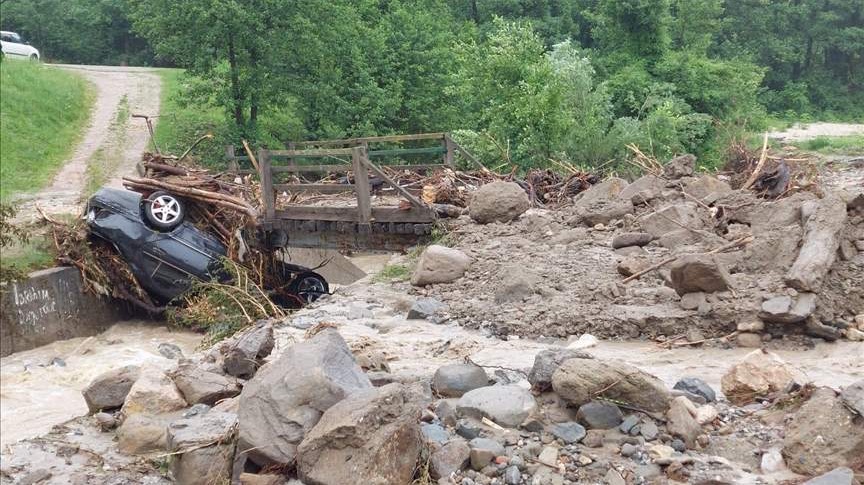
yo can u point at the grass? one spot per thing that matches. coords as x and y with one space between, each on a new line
43 114
844 145
180 124
392 272
35 254
104 161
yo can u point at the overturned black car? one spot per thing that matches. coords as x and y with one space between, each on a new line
165 252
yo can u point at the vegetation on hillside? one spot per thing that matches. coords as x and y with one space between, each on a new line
521 81
43 112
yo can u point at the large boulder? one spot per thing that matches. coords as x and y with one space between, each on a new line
370 437
202 447
823 435
822 235
643 189
602 211
498 202
580 381
681 421
759 374
200 386
247 352
706 187
837 476
143 433
681 166
698 272
440 264
454 380
670 218
450 458
287 397
109 389
547 362
153 393
605 190
506 405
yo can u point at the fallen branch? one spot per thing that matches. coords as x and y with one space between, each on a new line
192 193
760 165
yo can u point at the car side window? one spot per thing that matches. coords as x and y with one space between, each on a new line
16 38
6 38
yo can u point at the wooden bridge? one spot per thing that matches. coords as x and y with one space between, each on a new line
362 225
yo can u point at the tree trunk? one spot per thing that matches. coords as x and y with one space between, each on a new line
236 95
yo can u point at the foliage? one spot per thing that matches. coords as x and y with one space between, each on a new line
78 31
848 145
393 272
13 266
44 111
222 309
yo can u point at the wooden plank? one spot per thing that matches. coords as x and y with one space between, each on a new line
320 188
350 214
468 155
266 177
407 151
231 157
332 152
377 171
313 168
418 166
361 184
449 148
371 139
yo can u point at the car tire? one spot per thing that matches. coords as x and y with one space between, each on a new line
34 58
164 211
308 287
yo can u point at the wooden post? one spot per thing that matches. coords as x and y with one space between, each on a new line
448 154
232 158
266 176
361 183
291 161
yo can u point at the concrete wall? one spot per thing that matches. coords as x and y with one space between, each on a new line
51 305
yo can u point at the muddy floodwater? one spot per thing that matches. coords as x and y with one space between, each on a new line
40 388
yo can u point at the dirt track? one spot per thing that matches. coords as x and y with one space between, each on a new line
120 91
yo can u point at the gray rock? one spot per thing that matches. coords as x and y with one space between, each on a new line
454 380
512 476
153 393
782 309
109 390
697 386
707 187
440 264
371 437
853 396
629 423
170 351
649 430
608 189
599 415
498 202
628 449
822 235
449 459
200 386
648 471
248 351
433 433
495 447
643 189
670 218
202 447
568 432
578 381
547 362
678 445
467 429
106 421
197 409
698 272
142 433
681 166
601 212
631 239
287 398
515 283
425 308
506 405
837 476
445 412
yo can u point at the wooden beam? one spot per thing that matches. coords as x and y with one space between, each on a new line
320 188
371 139
266 177
350 214
449 148
340 167
361 184
407 151
332 152
377 171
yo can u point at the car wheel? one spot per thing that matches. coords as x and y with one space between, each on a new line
308 287
34 57
164 211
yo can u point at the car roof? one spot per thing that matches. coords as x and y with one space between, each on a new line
6 32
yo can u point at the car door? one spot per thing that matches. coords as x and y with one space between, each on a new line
15 46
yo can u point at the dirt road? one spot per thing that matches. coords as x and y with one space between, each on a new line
808 131
112 143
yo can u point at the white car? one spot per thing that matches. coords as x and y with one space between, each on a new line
13 45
